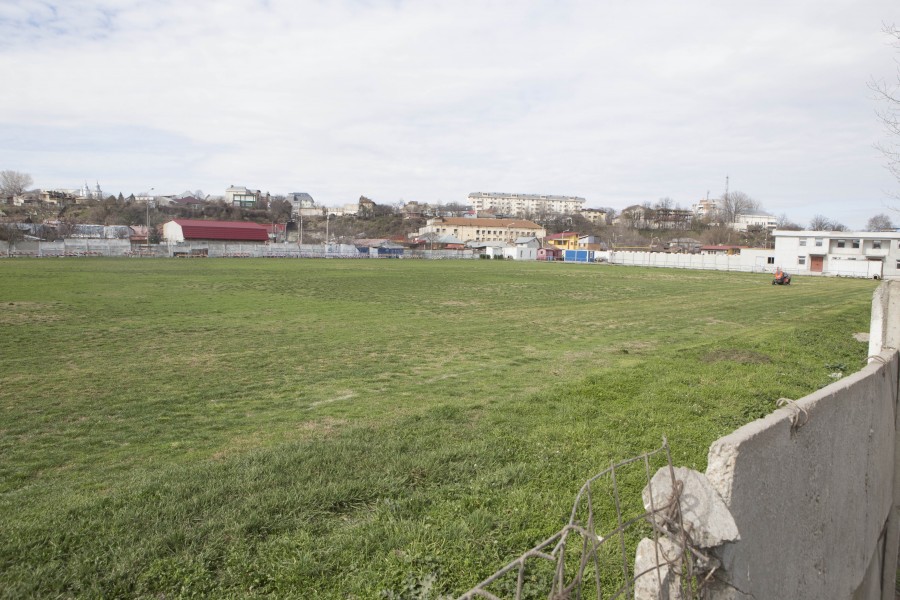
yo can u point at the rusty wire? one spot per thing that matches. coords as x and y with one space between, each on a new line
664 520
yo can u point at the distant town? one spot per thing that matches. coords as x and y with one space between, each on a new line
244 221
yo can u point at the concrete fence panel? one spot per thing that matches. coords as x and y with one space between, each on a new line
812 487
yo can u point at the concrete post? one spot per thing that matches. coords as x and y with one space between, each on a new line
884 335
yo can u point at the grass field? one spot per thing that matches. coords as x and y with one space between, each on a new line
361 429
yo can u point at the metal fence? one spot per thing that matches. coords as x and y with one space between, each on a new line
122 248
592 556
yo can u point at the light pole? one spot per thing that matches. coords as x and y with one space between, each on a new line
149 202
301 229
327 218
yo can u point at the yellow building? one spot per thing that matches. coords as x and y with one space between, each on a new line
482 230
567 240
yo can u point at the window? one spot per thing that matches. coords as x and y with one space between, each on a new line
802 241
856 244
801 260
819 242
770 260
841 243
898 264
876 244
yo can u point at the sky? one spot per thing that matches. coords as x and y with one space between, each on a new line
620 102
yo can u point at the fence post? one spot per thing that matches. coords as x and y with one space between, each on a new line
884 334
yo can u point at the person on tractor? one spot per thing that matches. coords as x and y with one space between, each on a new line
781 278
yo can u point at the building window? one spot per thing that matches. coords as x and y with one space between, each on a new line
898 264
802 241
819 242
841 243
771 260
876 244
856 244
801 260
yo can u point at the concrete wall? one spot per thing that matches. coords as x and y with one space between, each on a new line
751 260
812 486
67 247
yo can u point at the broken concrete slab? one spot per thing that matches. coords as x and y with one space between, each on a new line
657 570
705 516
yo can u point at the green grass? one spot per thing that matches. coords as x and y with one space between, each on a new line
361 429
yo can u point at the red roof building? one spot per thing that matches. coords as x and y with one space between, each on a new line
181 230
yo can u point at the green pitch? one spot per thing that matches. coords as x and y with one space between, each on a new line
367 429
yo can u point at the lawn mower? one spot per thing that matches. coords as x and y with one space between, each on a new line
781 278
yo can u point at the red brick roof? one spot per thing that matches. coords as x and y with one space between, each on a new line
196 229
563 235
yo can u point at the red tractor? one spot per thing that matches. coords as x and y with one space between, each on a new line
781 278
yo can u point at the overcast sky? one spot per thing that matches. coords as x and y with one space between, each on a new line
617 101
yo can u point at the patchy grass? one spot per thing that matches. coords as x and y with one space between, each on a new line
361 429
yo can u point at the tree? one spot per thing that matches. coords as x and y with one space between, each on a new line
888 95
880 222
280 210
13 183
785 223
820 223
734 204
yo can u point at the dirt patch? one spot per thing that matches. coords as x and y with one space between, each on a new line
20 313
861 337
744 357
321 426
635 347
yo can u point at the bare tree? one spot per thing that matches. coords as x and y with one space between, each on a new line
280 210
734 204
785 223
665 203
820 223
13 183
880 222
632 216
888 95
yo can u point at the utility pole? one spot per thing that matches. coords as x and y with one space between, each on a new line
149 201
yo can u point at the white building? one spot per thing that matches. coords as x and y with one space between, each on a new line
705 208
760 221
238 195
300 200
846 253
522 205
594 215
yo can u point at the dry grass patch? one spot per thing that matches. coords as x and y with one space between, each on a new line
744 357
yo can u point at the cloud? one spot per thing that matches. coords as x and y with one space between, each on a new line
617 102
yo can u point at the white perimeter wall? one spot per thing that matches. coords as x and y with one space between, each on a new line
752 260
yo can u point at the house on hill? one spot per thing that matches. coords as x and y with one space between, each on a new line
567 240
468 229
181 230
